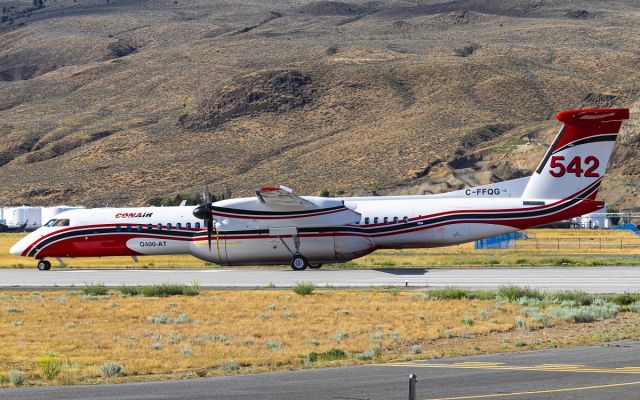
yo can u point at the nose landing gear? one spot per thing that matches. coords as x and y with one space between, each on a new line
44 265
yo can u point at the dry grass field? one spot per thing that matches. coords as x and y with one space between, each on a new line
118 102
67 337
576 247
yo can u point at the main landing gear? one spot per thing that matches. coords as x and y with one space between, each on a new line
44 265
298 261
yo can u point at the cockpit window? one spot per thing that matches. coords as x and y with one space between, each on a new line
51 222
61 222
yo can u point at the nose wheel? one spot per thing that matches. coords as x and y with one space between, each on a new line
44 265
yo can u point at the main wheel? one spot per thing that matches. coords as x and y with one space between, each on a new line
44 265
315 266
299 263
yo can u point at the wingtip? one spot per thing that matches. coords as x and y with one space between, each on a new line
593 115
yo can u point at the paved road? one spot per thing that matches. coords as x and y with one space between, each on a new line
595 279
596 372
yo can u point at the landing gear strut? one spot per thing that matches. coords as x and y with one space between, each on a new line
298 261
44 265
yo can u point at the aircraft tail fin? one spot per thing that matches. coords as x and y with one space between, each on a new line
576 161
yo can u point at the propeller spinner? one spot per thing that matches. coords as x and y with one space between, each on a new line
204 211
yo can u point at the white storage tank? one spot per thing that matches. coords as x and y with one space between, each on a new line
49 213
17 216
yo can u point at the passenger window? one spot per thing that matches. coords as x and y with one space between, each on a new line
405 219
150 227
197 225
188 225
117 228
169 226
375 220
178 225
366 221
385 220
159 227
139 228
128 228
395 220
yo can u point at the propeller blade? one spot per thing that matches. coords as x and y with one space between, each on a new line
209 231
206 196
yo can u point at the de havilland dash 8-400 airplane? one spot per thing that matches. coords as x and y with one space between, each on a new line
279 227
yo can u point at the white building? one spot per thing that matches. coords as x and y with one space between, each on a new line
595 220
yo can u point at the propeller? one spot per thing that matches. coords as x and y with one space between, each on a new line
204 211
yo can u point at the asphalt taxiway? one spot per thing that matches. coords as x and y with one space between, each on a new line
594 372
590 279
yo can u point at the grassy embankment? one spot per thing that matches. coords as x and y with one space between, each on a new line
544 247
95 335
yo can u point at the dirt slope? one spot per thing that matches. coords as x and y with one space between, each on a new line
121 101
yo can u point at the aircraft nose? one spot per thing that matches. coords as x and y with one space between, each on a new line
17 249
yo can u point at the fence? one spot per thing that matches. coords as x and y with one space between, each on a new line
506 241
577 243
520 240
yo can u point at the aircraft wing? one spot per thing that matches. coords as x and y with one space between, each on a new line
283 197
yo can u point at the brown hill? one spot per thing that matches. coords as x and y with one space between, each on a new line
118 101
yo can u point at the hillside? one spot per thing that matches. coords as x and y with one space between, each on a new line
118 102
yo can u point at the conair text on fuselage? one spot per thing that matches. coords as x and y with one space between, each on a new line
133 215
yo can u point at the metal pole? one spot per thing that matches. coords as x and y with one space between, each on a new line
412 387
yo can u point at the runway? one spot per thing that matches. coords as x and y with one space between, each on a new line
590 279
595 373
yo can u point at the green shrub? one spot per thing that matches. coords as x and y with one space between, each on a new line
634 307
447 294
331 355
230 366
168 289
513 293
562 261
161 318
458 293
51 365
578 296
16 377
110 370
467 321
274 346
582 315
95 289
625 299
365 355
341 335
304 288
175 339
520 323
130 290
416 349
